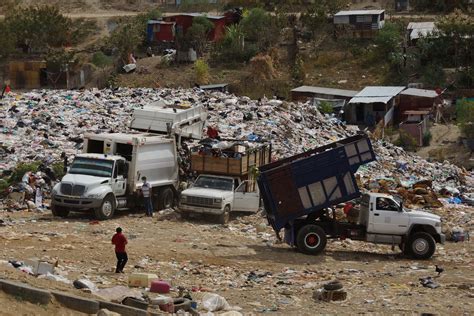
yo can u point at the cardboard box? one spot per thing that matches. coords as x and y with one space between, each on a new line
141 279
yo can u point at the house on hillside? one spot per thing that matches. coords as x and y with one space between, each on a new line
160 31
415 126
305 93
415 30
337 98
358 23
184 21
416 100
373 104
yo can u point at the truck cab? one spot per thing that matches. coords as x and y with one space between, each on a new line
219 195
93 181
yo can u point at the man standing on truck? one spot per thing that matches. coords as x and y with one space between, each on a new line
119 240
146 192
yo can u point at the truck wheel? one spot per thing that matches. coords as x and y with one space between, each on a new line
59 211
421 245
107 209
166 199
224 217
311 239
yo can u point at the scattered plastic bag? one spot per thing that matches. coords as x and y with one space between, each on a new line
214 302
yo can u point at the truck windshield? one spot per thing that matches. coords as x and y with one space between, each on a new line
92 167
214 183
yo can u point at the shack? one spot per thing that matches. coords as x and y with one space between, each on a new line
160 31
184 21
413 99
373 104
220 87
415 30
415 126
358 23
305 93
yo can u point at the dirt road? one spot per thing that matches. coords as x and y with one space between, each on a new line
248 268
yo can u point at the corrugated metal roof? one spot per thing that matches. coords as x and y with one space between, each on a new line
323 90
359 12
213 17
420 93
214 86
159 22
372 94
420 29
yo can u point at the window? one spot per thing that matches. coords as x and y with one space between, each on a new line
386 204
243 187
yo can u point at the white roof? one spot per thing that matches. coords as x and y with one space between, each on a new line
379 94
323 90
420 29
359 12
420 93
100 156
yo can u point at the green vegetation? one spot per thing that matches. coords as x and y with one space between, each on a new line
427 138
101 60
325 107
232 48
439 5
196 35
261 28
202 71
465 117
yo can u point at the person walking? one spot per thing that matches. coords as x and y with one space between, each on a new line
119 240
146 192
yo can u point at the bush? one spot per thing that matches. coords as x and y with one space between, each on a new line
406 141
101 60
261 28
202 71
325 107
427 138
465 117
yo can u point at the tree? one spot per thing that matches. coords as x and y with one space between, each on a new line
126 38
7 40
317 13
465 117
39 27
261 28
439 5
197 34
388 39
232 48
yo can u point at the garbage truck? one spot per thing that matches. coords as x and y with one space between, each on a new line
299 194
106 177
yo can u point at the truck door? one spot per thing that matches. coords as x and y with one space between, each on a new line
387 217
119 182
246 198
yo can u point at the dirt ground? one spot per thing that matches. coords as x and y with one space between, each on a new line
240 261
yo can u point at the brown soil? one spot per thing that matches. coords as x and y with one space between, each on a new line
220 259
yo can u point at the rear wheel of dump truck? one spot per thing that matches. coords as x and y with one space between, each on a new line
311 239
59 211
166 198
421 245
225 216
107 209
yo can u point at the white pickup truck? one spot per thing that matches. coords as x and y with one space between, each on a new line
219 195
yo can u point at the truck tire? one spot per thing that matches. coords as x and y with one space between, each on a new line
421 245
107 208
59 211
225 216
311 239
166 199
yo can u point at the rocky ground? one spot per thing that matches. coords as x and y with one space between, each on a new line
240 261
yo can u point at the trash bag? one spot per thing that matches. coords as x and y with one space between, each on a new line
214 302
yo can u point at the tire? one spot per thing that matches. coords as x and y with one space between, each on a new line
225 216
107 208
59 211
166 199
421 245
311 239
333 286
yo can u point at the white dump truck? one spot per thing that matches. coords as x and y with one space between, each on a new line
107 176
299 193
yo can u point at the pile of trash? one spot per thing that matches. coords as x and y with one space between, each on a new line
40 125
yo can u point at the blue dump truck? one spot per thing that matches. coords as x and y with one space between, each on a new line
299 193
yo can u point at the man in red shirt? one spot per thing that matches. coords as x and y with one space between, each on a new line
119 240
